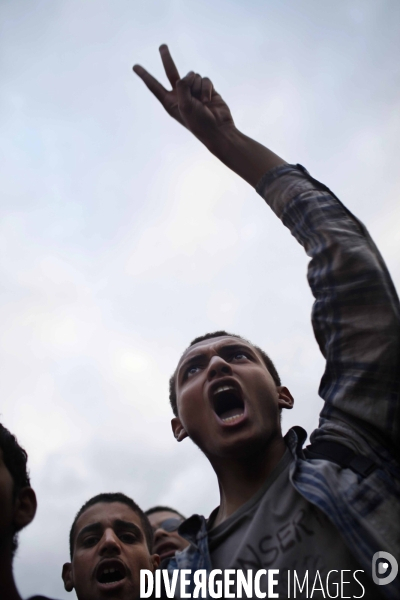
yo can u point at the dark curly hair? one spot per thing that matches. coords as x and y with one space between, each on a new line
109 498
15 459
266 359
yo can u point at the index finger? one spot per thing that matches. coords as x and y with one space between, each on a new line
170 69
151 82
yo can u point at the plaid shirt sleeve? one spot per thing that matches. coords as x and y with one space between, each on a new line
356 313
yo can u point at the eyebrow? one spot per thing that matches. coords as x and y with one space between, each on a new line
203 355
120 524
193 358
94 527
117 524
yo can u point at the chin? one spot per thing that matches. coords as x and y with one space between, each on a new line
247 445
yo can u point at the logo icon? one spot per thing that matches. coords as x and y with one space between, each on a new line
384 568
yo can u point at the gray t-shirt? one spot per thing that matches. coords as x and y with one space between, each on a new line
279 529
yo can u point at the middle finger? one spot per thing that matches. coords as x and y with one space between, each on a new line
169 65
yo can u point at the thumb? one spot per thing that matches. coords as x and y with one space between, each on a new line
183 88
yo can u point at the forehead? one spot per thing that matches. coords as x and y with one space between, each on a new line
106 513
157 518
213 344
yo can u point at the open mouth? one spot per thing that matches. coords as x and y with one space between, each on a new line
110 572
165 550
228 403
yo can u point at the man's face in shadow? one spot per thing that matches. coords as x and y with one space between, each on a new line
109 549
167 540
17 509
227 401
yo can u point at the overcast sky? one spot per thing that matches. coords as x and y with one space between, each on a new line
122 238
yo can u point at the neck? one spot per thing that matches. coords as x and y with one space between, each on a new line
239 478
8 588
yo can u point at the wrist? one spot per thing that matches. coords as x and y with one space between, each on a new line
225 143
246 157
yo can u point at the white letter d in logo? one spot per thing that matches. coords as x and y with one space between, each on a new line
380 565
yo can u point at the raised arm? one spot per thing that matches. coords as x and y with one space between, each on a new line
356 314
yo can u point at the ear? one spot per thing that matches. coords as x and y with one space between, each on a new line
25 508
66 574
178 429
155 562
285 398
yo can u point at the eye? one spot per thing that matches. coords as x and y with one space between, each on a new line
240 355
90 541
192 370
128 537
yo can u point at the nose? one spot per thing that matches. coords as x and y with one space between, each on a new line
218 367
159 533
110 545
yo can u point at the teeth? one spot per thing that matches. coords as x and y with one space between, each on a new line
223 388
228 419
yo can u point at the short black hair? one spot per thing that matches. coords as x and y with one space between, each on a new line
266 359
15 459
156 509
109 498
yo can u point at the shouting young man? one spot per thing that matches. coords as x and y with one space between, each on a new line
320 516
110 541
